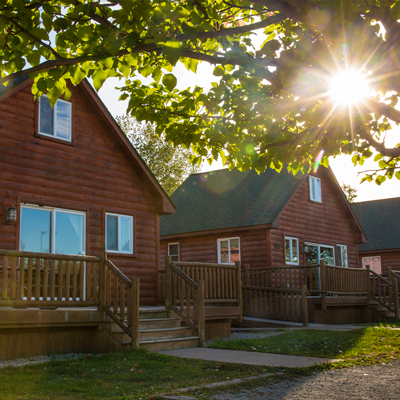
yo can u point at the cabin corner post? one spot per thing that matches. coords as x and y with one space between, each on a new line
102 284
134 312
168 285
368 285
239 289
323 284
201 317
304 305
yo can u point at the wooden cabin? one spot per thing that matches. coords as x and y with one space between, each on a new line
74 184
380 220
265 220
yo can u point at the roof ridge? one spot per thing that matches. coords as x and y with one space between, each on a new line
376 200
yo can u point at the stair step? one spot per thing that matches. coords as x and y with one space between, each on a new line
159 323
154 334
169 344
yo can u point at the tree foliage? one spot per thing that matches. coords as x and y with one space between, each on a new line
269 104
169 164
350 192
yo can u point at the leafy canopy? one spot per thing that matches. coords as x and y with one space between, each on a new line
350 192
269 104
169 164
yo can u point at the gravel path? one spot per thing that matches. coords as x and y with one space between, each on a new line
379 382
19 362
252 335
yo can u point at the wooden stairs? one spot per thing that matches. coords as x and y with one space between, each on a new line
383 313
156 331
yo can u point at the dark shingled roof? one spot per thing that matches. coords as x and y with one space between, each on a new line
228 199
380 220
12 84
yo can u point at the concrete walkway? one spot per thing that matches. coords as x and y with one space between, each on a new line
246 357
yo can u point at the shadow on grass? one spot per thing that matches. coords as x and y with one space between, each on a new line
357 343
127 375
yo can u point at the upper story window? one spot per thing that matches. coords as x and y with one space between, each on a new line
342 255
119 233
292 250
52 230
56 121
374 264
228 250
173 251
315 188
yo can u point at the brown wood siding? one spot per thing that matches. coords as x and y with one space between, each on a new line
388 259
93 175
322 223
201 247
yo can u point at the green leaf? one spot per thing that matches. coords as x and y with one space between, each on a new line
219 70
114 49
77 76
380 179
172 51
378 157
397 175
99 78
127 5
169 81
85 33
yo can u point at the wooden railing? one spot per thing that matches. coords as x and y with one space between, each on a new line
381 290
49 280
185 297
394 277
119 298
281 304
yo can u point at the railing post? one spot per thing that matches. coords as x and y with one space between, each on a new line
134 312
168 285
396 297
304 306
369 285
239 289
389 276
201 317
102 284
323 284
247 283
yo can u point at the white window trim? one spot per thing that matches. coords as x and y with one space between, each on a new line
371 257
291 251
69 139
54 211
323 245
171 244
312 178
229 242
339 246
131 251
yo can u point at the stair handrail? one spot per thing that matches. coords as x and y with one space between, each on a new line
180 288
381 290
115 291
394 277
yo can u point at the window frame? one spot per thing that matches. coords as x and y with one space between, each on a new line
229 243
371 257
291 251
132 218
338 247
319 254
57 139
312 178
53 211
169 253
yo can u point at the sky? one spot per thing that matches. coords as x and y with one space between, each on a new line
342 165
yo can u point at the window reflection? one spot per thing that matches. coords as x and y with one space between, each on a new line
35 230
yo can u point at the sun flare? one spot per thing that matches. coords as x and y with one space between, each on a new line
349 87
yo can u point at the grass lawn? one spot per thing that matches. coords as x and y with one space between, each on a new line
127 375
366 344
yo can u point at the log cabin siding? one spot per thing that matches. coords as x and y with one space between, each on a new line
327 222
91 175
389 258
204 247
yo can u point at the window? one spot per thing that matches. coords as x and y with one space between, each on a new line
342 256
315 253
292 250
56 121
374 263
315 188
173 251
52 230
119 233
228 250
